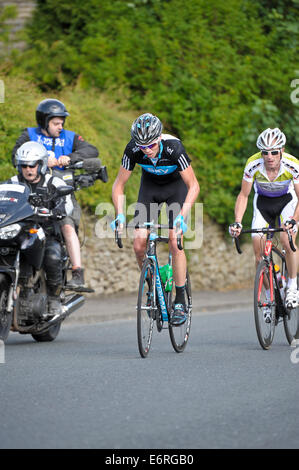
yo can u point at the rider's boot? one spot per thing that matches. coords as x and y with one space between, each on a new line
54 302
77 280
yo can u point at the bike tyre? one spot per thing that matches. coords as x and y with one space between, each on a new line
48 335
265 340
5 317
179 335
145 317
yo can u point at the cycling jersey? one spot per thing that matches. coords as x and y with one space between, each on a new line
171 159
287 176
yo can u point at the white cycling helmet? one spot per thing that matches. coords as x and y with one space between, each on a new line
271 139
31 153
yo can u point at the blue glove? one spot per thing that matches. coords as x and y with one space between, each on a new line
180 220
120 218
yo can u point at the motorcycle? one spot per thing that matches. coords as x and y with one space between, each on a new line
23 291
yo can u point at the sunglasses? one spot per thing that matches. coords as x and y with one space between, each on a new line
273 152
150 146
29 166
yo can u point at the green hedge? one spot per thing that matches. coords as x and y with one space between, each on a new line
216 72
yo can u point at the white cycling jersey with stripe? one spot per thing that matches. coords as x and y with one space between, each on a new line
287 176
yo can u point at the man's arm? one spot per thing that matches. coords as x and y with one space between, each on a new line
241 205
82 149
118 189
24 137
192 184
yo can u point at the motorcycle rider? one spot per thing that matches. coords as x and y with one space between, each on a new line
31 161
64 147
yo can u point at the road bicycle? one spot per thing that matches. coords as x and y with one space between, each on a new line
154 303
270 290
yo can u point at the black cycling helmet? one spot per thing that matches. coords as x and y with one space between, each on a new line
47 109
146 128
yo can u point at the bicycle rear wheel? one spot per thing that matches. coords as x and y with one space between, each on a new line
265 330
179 335
145 308
291 322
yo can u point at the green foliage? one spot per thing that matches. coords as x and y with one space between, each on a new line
216 73
99 120
6 13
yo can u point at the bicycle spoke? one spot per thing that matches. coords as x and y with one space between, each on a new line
179 335
145 309
264 306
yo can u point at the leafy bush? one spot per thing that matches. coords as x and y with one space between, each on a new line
216 73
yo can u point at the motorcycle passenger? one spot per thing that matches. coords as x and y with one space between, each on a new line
64 147
31 161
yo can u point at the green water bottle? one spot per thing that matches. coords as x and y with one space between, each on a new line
166 276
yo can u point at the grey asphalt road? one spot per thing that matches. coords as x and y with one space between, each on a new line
90 389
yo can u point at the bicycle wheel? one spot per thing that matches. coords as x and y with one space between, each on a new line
179 335
265 329
145 308
291 322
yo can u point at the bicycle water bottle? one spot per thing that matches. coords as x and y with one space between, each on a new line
281 280
166 276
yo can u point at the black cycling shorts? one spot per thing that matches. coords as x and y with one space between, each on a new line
152 197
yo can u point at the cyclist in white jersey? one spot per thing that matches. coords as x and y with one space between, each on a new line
275 177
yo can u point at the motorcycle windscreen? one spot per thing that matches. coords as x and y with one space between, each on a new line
14 205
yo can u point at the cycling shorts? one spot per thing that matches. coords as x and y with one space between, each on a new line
152 197
266 210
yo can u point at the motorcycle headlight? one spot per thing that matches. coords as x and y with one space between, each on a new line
10 231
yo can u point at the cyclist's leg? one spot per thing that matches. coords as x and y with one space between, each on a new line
174 204
146 210
292 258
139 244
258 240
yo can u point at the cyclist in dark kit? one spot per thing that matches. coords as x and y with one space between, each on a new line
167 177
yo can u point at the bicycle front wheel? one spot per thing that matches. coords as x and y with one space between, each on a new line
145 308
291 322
264 309
179 335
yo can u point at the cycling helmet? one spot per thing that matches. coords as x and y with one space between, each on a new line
47 109
29 154
146 128
271 139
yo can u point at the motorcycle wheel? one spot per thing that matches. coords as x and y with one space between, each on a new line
48 335
5 317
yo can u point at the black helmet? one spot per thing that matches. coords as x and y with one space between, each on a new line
47 109
146 128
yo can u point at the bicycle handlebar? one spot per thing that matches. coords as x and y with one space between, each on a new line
118 239
263 230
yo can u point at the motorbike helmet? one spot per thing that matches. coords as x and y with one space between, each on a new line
47 109
146 128
271 139
29 154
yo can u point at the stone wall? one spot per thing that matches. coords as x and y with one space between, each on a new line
24 12
215 266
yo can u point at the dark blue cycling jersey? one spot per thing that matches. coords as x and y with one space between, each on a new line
171 159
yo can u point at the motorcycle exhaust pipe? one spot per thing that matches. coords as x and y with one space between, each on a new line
73 304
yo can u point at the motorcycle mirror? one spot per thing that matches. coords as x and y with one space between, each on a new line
64 190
